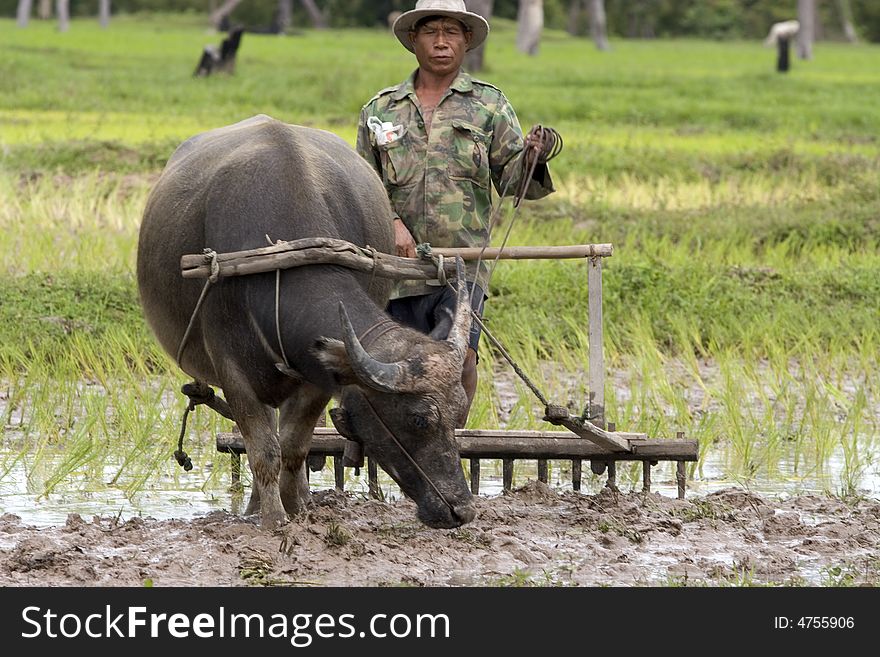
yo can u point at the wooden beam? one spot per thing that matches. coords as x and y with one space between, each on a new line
475 476
611 441
326 250
507 474
513 444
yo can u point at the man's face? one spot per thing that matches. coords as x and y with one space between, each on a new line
440 45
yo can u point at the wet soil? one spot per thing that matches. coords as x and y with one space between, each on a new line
534 535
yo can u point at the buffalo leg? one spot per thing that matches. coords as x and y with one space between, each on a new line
257 424
298 417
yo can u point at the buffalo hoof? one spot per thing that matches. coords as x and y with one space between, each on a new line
272 521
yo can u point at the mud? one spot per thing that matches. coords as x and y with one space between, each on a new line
534 536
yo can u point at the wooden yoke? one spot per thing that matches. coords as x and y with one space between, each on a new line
331 251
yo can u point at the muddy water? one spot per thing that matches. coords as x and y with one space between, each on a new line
202 491
174 494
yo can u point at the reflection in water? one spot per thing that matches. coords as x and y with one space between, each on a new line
202 490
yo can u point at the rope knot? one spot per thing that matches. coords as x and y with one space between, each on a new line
183 460
211 256
441 271
198 393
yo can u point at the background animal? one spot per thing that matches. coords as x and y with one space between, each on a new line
222 59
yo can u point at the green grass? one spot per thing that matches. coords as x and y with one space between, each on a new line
742 304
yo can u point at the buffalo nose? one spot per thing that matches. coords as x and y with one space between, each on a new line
465 512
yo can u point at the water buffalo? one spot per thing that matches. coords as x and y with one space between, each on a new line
400 391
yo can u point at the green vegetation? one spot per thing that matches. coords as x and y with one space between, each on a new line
742 305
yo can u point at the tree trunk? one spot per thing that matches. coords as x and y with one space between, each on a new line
44 9
806 14
23 14
285 15
598 27
319 20
574 17
104 12
62 8
223 11
530 22
473 61
845 10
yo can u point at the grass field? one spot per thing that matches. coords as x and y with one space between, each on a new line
742 305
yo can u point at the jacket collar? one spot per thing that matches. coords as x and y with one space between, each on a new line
462 83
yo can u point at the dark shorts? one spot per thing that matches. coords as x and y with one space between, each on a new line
427 312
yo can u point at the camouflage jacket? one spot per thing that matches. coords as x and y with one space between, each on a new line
440 182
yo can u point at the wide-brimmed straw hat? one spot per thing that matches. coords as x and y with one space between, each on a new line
452 8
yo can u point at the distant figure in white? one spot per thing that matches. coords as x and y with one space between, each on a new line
781 35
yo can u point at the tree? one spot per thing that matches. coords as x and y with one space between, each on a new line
598 28
319 20
285 15
575 10
530 22
23 14
62 8
844 9
473 61
222 12
104 12
44 9
806 16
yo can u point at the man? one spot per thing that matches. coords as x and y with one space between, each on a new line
440 140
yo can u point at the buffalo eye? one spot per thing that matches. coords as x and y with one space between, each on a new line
423 416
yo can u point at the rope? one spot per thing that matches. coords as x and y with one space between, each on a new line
196 394
183 459
550 152
215 275
513 363
277 318
408 456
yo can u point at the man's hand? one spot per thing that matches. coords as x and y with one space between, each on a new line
403 240
540 143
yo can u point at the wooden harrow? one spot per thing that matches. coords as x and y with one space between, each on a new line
588 437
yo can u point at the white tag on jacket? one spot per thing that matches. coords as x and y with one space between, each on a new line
385 131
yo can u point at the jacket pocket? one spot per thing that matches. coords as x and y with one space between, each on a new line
398 163
469 153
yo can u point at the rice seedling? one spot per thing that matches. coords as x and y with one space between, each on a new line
741 305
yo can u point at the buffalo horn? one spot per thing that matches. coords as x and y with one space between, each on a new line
461 325
386 377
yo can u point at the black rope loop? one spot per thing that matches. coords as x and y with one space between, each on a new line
183 459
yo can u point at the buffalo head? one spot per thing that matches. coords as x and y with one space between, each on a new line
404 413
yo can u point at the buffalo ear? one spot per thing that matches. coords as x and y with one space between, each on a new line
339 417
334 357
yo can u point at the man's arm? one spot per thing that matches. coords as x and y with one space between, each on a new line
507 154
404 243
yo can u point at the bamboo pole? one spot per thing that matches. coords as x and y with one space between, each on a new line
529 252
